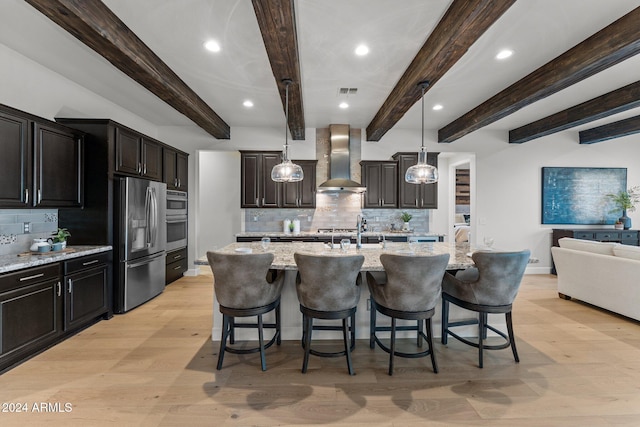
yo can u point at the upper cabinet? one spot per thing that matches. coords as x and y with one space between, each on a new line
258 190
176 167
381 180
416 196
41 164
138 155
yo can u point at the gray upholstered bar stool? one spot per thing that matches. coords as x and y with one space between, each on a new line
491 287
409 290
328 287
244 287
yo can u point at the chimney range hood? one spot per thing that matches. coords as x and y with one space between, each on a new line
339 163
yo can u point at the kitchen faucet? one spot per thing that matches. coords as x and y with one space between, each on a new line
359 232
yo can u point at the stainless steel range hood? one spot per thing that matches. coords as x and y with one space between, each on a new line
339 163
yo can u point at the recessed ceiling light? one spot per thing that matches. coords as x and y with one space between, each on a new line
248 103
362 50
212 46
437 107
343 105
504 54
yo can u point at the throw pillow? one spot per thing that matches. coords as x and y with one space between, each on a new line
626 251
604 248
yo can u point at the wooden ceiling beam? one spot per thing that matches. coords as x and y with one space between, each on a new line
277 22
617 101
609 46
93 23
613 130
463 23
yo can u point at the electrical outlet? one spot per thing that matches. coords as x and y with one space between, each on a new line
27 227
368 304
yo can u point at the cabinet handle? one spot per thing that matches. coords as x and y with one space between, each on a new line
91 262
35 276
144 169
257 204
59 288
139 167
263 201
39 196
26 196
179 183
177 268
177 257
417 202
70 283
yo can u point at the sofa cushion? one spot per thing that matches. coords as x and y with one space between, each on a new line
626 251
604 248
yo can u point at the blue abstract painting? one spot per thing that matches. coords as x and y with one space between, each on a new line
579 195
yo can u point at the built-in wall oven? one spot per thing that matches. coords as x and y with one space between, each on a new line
176 219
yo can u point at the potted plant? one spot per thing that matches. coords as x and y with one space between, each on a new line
405 217
60 236
625 200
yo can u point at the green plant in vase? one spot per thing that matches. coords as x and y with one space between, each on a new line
405 217
625 201
61 236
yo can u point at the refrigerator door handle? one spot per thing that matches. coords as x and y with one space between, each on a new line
154 217
147 214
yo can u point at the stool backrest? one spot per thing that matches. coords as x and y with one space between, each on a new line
499 276
240 280
328 283
414 283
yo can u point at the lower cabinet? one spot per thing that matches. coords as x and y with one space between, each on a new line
176 264
41 305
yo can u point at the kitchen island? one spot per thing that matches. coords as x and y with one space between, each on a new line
291 316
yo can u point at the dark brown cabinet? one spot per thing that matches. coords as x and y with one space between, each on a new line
381 180
415 196
176 168
86 289
137 155
176 264
301 194
41 164
30 312
258 190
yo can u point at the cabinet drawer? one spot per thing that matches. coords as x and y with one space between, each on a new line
175 269
585 235
180 254
83 263
629 235
29 276
607 236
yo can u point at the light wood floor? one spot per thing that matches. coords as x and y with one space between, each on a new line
156 366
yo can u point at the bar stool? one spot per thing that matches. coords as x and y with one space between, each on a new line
491 287
409 290
244 287
328 287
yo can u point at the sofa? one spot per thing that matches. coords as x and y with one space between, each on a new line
603 274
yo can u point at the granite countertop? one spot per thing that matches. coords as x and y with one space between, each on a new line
13 262
283 252
316 234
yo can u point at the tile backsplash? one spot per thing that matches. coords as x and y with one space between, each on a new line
14 239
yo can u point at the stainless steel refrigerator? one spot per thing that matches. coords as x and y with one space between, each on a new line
142 241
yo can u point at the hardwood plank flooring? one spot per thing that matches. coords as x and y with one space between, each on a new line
155 366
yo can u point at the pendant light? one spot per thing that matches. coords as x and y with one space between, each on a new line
422 173
287 171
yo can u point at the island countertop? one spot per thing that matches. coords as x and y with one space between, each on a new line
13 262
337 233
283 252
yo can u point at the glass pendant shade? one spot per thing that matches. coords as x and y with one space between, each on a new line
287 171
422 172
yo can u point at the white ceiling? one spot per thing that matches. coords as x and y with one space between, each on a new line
328 32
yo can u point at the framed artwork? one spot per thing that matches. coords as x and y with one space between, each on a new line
573 195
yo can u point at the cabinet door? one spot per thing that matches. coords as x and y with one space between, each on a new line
151 160
290 194
86 296
389 185
15 162
381 180
58 167
430 191
30 317
410 195
182 171
128 158
270 190
250 177
170 175
307 187
371 179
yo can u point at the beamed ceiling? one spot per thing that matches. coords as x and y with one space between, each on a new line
575 63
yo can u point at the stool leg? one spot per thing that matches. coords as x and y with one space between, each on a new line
481 328
279 335
372 324
512 338
393 344
419 329
263 360
223 340
308 321
347 346
445 321
486 321
430 342
353 331
232 328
